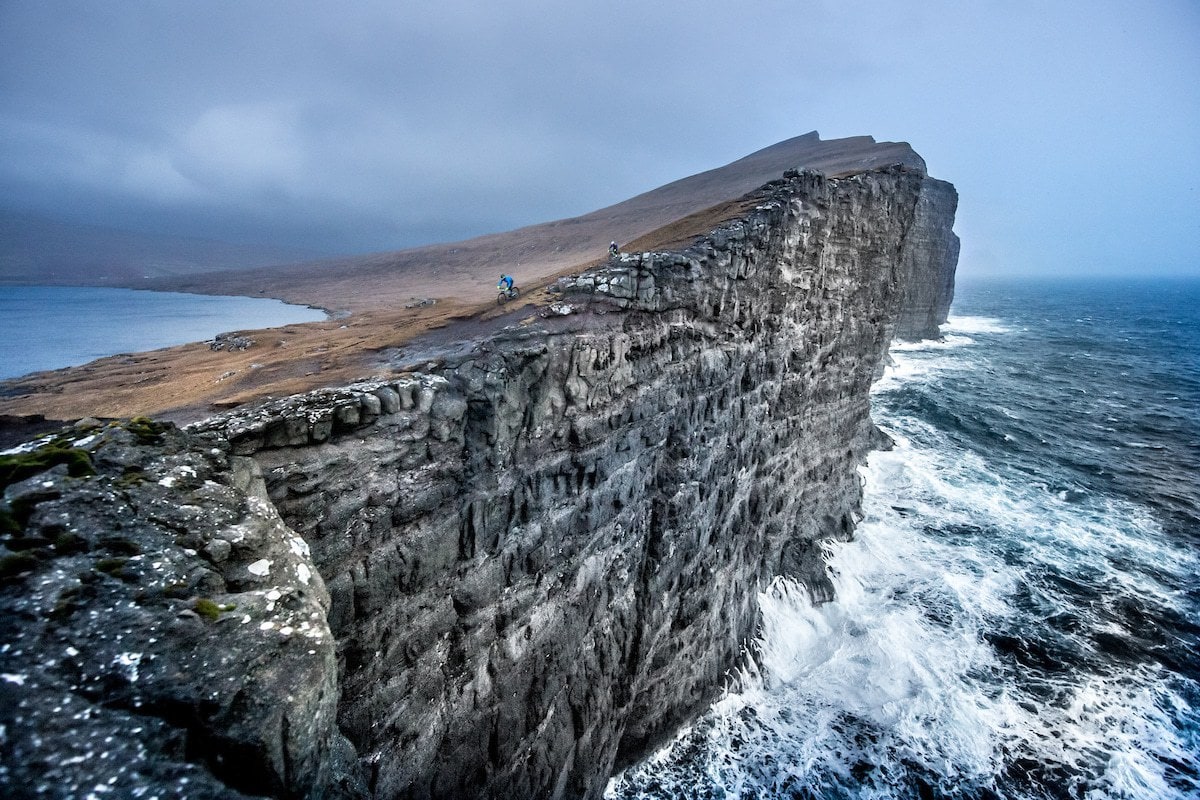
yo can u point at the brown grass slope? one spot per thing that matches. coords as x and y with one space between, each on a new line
468 270
191 381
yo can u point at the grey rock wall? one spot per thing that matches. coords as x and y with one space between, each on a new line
543 555
928 262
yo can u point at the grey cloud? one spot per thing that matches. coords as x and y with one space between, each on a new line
354 127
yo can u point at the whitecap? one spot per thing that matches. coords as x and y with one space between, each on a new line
943 343
971 324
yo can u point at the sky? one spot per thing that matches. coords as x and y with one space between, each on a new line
1071 129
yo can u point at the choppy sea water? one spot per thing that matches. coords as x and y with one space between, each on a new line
48 327
1019 614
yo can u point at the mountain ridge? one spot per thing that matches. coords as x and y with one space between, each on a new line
468 269
401 299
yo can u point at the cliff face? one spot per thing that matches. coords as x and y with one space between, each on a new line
930 256
542 553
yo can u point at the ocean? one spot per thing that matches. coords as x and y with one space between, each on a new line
1018 615
48 327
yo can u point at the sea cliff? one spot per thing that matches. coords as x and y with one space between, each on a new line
505 574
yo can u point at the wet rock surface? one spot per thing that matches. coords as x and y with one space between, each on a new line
542 555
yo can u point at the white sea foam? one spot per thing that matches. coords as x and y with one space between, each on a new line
901 371
897 680
909 365
944 343
969 324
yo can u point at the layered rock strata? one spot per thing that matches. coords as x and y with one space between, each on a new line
542 553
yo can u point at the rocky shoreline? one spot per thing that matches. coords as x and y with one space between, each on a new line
505 575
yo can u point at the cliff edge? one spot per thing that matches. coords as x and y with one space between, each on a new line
506 573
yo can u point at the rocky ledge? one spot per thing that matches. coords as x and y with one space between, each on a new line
505 576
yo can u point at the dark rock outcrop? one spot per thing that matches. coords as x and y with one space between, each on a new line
164 627
541 557
231 342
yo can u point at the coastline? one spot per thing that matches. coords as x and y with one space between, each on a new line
50 327
490 532
396 298
189 382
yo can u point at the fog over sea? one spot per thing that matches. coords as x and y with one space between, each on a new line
49 327
1019 614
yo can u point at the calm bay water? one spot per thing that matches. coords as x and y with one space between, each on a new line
48 327
1019 614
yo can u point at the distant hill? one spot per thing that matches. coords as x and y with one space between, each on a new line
38 250
190 381
468 270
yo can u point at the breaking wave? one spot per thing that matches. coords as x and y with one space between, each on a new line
1006 624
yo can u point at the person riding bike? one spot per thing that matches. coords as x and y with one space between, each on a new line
612 248
507 290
